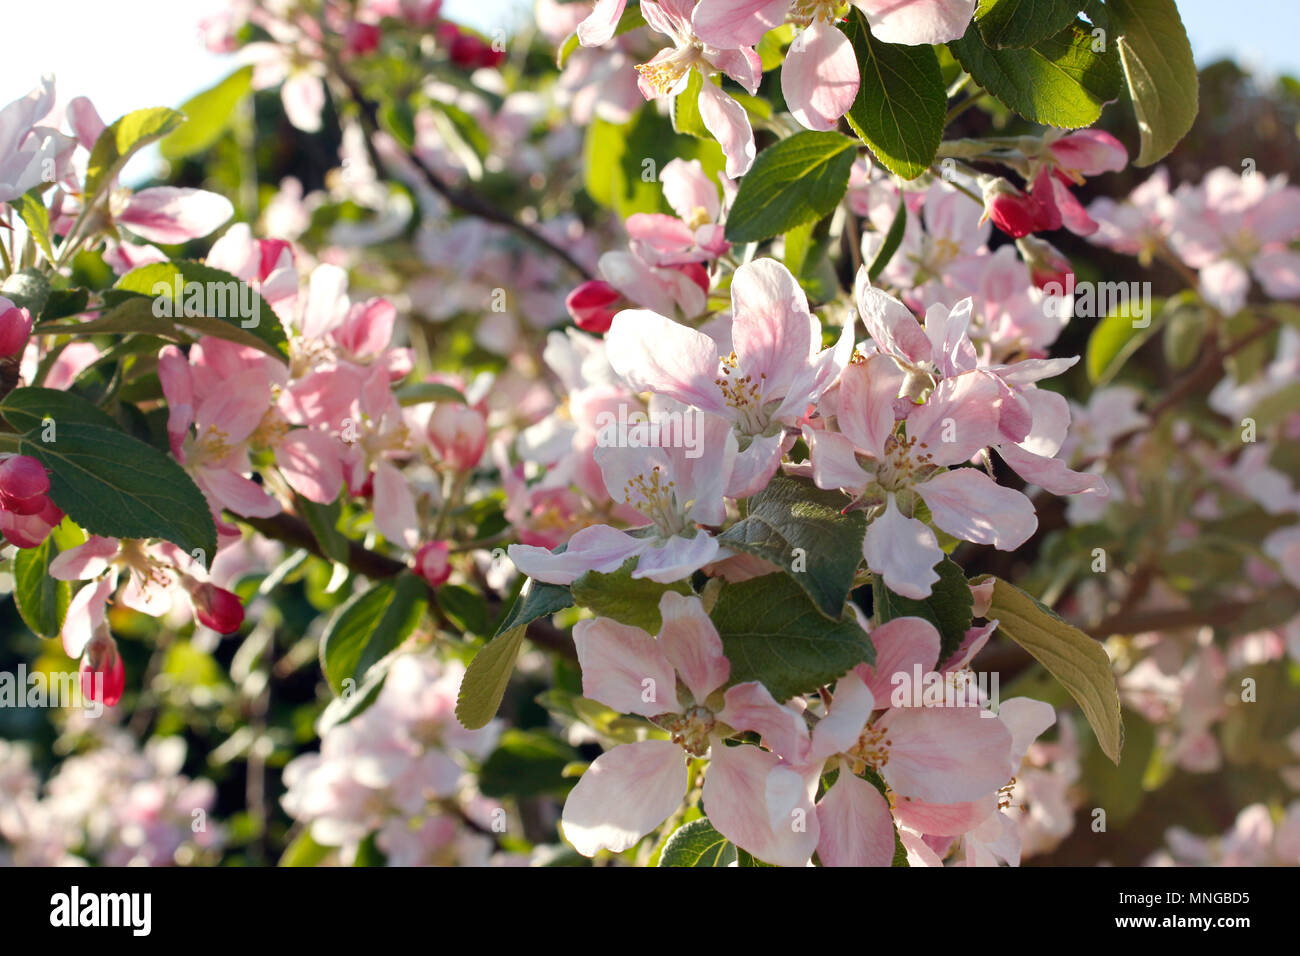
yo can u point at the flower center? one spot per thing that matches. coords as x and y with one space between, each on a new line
689 730
871 751
901 466
663 75
657 500
699 217
212 446
806 11
744 394
131 555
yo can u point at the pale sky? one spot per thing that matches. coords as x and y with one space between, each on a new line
130 54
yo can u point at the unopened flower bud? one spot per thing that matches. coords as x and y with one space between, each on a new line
103 676
15 328
432 562
1048 266
458 434
217 608
22 479
593 305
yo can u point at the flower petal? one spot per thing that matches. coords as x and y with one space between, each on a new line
625 793
623 667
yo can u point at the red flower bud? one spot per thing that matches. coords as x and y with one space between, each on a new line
15 328
1012 211
217 608
23 477
593 305
1048 266
361 38
103 676
431 562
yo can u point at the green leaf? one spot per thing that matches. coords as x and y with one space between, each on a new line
119 142
801 529
686 108
1116 337
304 851
106 481
626 599
323 521
37 219
1071 656
1023 22
771 632
1185 332
1059 81
798 244
485 680
26 408
368 627
793 181
901 103
207 116
697 844
465 607
1160 72
212 301
27 289
63 303
527 763
42 600
948 607
352 705
893 239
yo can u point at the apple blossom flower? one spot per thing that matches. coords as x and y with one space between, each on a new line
632 788
667 73
28 152
680 495
1232 227
931 755
765 387
889 474
695 235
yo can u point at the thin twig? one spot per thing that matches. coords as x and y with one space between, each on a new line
462 199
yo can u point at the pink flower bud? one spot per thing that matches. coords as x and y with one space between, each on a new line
361 38
1090 152
217 608
23 485
432 562
593 305
103 676
15 328
1048 266
458 434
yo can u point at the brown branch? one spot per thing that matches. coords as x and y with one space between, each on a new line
462 199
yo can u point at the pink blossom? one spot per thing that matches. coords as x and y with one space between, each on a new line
774 374
681 496
633 788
